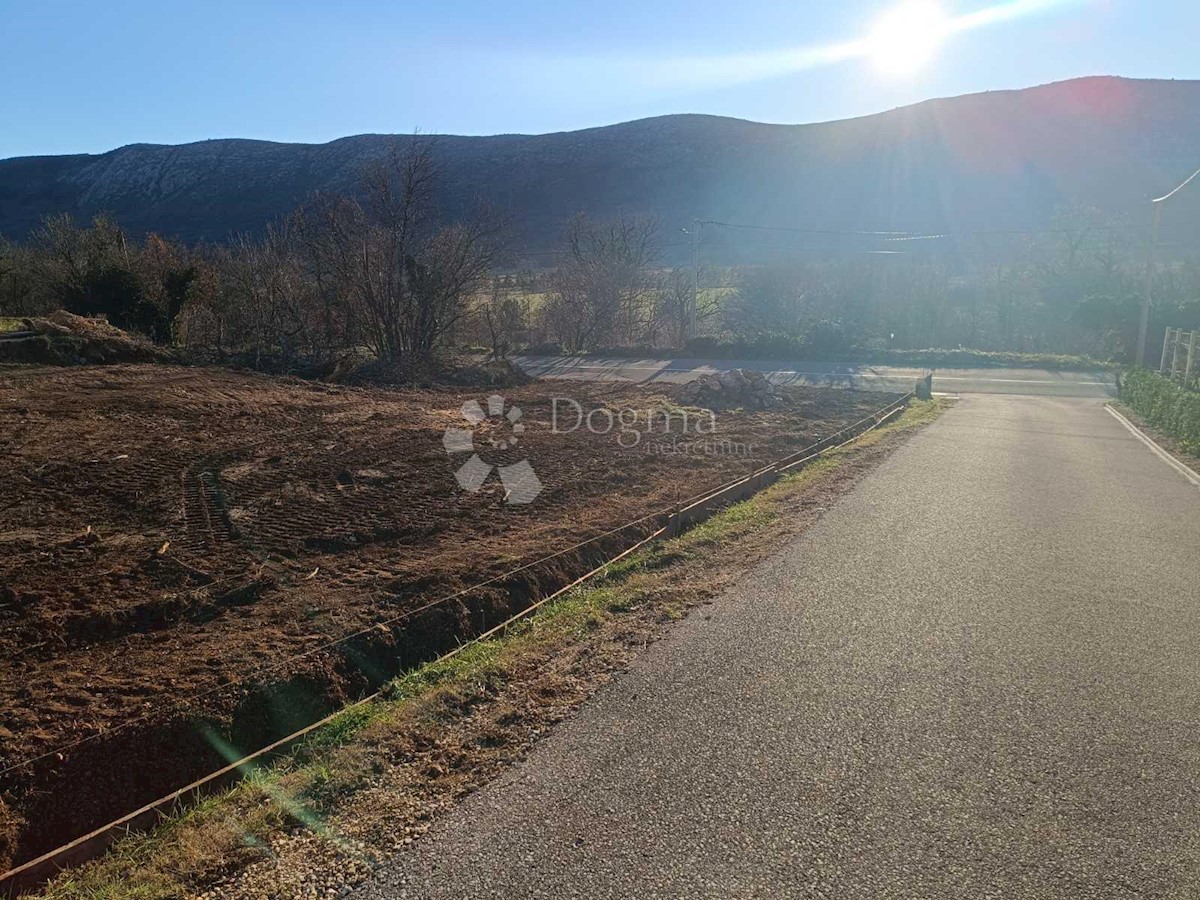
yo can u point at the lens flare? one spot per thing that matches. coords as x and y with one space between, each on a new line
906 38
899 42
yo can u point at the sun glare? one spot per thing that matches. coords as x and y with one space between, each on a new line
904 39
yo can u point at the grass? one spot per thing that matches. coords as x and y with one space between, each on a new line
8 323
226 832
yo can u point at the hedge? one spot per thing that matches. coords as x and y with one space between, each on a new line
782 348
1164 404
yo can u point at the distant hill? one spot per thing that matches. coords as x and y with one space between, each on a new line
998 160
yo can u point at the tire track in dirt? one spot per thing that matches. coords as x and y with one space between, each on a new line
293 513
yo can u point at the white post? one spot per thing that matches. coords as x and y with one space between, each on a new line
1175 354
1162 366
1191 357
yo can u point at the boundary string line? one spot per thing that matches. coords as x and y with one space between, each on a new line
184 702
90 845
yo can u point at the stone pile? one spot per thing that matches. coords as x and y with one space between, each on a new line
733 388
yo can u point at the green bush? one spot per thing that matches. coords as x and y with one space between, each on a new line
1164 404
827 341
830 341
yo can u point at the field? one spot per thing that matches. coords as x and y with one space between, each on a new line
180 549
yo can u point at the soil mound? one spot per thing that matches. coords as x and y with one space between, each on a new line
65 339
744 388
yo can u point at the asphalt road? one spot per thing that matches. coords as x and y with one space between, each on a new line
978 676
875 378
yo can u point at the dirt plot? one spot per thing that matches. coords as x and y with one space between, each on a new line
178 548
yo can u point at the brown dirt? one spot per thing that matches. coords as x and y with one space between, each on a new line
171 539
65 339
377 795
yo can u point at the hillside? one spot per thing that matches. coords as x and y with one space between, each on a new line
999 160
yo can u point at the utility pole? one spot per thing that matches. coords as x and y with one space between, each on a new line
691 315
1146 296
693 312
1144 327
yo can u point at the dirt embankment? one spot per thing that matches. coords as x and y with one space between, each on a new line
180 548
64 339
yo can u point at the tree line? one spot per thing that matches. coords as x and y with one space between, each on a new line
378 270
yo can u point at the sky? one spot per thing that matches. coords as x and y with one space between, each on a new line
89 77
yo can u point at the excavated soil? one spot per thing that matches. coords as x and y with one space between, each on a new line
179 548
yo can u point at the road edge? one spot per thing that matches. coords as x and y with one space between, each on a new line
1166 456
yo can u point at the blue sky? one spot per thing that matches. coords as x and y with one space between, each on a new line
89 77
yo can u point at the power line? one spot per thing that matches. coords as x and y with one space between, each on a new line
827 231
521 254
919 235
883 236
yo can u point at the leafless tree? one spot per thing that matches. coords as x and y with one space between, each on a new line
407 278
68 258
600 291
503 316
673 307
265 292
18 293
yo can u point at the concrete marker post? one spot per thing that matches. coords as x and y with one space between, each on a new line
1191 358
1166 346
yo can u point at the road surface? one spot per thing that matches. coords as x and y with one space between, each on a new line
978 676
872 378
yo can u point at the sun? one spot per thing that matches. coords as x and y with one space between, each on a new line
905 38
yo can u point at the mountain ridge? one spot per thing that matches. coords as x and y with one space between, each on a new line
1082 79
1005 158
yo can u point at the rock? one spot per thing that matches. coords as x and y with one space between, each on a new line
734 380
732 388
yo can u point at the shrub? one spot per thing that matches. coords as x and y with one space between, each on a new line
1164 404
826 341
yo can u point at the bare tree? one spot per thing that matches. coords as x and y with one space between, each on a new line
70 260
672 308
407 277
265 290
600 291
504 317
18 292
